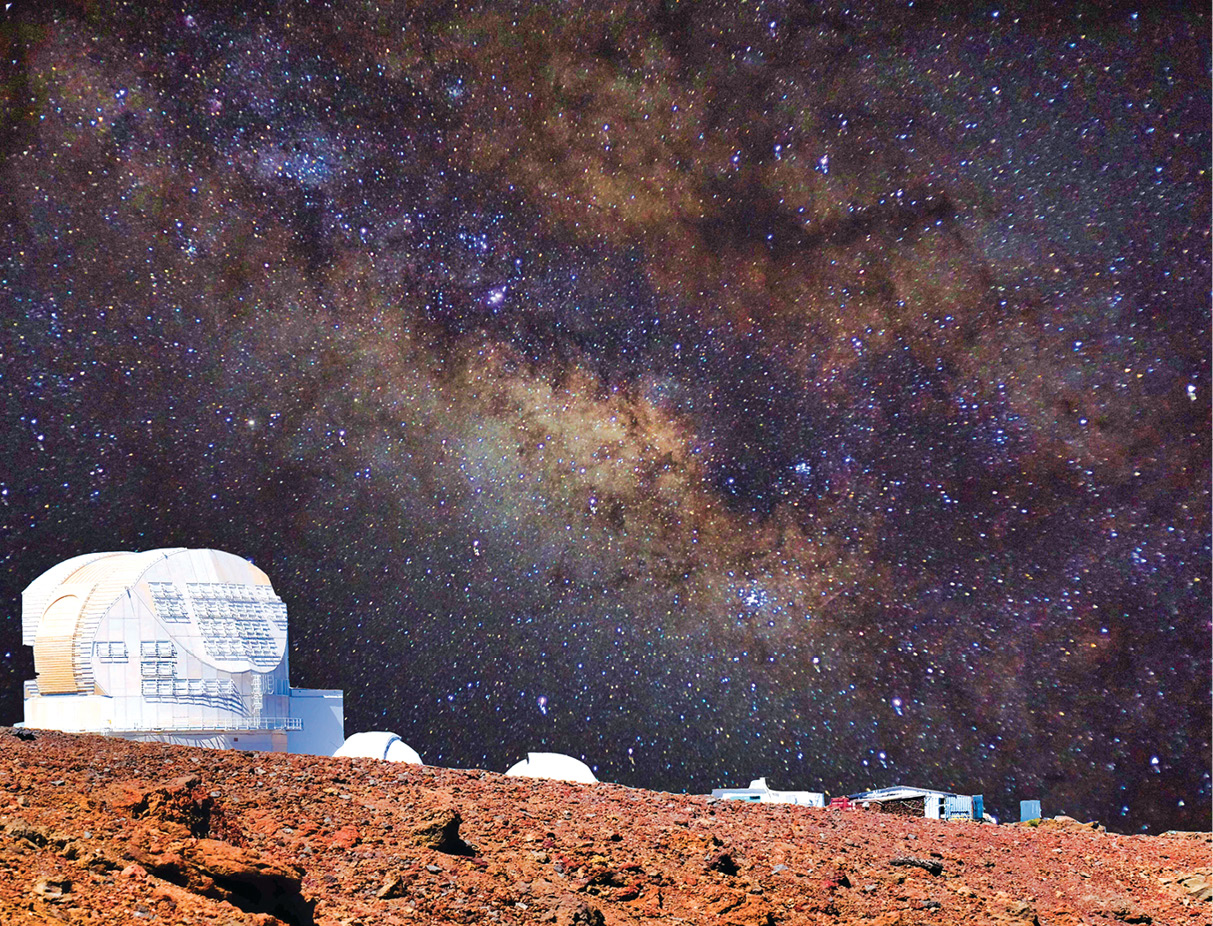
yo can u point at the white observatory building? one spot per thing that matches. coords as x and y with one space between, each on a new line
378 744
178 646
758 792
552 765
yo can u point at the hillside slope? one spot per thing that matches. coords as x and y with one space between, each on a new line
97 830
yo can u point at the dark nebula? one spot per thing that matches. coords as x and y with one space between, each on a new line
707 389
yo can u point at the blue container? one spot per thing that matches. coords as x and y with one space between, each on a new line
959 807
1029 810
979 808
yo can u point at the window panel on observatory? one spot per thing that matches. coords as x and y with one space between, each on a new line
154 688
235 621
169 601
216 691
111 651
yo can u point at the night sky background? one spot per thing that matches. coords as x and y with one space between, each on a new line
711 390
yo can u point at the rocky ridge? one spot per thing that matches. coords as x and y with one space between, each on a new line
98 830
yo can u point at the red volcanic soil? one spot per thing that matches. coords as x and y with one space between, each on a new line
98 830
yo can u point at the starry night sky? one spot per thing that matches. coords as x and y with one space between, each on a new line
710 390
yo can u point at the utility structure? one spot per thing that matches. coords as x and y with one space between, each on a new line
759 793
921 802
1029 810
174 645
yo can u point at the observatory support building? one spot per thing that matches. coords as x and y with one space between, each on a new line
180 646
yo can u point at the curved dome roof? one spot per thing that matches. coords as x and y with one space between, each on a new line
378 744
37 595
552 765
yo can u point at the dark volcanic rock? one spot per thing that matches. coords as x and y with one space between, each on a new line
926 864
722 862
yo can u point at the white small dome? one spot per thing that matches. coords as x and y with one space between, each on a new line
378 744
553 765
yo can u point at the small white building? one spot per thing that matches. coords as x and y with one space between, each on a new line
552 765
758 792
175 645
378 744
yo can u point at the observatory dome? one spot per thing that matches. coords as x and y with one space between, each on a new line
552 765
176 645
378 744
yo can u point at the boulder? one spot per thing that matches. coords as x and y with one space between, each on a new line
926 864
54 890
577 911
180 801
239 876
439 830
722 862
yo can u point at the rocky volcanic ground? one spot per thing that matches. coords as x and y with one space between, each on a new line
97 830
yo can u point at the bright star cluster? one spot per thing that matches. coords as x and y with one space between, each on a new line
711 390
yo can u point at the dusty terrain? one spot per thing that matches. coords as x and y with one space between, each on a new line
96 830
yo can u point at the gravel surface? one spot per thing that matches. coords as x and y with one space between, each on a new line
99 830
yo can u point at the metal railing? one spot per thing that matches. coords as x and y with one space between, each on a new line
268 723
